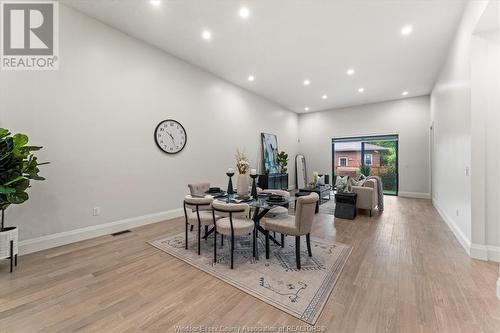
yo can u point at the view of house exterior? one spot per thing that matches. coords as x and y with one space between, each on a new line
348 158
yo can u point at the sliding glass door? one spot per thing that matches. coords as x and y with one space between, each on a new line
370 156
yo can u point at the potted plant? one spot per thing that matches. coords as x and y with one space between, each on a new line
243 165
18 166
282 159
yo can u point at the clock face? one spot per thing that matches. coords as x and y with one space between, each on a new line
170 136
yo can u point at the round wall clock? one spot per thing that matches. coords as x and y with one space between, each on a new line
170 136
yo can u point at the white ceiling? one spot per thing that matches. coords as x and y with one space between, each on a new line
284 42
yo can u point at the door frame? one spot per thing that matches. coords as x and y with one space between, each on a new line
362 139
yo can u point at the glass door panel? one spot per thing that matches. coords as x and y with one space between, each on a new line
370 156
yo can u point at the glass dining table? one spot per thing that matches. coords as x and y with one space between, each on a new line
260 207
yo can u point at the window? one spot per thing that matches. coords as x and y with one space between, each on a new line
368 159
343 161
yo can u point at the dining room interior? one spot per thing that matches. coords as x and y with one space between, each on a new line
259 166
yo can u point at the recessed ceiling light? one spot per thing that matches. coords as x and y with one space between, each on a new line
244 12
306 108
324 97
251 78
404 93
406 30
207 35
155 3
307 82
350 71
360 90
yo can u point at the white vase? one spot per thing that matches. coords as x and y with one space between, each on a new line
243 181
7 235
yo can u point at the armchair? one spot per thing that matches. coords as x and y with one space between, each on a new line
367 195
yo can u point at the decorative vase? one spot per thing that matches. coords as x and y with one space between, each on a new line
242 189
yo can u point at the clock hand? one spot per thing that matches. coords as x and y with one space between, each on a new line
172 137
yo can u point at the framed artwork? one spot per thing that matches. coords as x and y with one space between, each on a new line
270 152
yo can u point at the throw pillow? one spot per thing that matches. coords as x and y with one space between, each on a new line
321 180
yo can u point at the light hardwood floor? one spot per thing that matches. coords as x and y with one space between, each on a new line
407 273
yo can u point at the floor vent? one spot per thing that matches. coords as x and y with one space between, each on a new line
120 232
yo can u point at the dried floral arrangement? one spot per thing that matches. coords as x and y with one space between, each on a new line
242 162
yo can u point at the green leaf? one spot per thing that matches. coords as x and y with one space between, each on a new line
17 197
4 132
6 190
12 181
20 140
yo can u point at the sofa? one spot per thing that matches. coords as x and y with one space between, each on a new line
367 195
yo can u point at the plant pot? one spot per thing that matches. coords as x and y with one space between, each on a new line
9 244
243 183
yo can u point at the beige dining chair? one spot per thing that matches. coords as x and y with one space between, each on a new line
298 225
198 211
233 222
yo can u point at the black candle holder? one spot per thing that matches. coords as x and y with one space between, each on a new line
254 186
230 189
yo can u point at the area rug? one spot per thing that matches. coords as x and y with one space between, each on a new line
301 293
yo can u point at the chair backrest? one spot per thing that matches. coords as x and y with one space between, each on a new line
283 193
304 213
373 184
236 210
194 202
198 189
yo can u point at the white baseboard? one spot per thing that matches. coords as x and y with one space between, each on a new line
416 195
476 251
479 251
493 253
498 288
459 235
67 237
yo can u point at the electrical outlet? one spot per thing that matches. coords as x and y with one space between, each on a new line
458 213
467 171
96 211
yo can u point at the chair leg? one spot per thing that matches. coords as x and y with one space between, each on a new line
267 244
282 240
206 232
221 240
192 226
232 250
253 241
370 213
187 227
215 245
15 260
11 254
199 238
297 251
308 241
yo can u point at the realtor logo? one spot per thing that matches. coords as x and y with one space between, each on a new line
29 35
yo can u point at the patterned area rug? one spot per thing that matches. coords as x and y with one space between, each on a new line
301 293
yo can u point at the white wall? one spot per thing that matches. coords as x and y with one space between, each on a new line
96 117
410 118
484 126
465 117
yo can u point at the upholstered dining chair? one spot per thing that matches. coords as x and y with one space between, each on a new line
278 210
197 190
234 222
298 225
198 211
